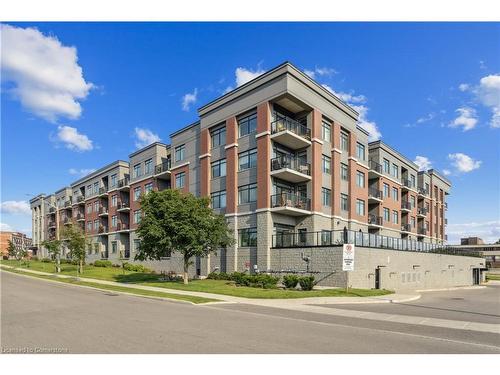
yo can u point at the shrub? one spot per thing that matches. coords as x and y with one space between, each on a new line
306 282
46 260
102 263
290 281
238 278
65 261
256 281
116 265
35 258
219 276
135 267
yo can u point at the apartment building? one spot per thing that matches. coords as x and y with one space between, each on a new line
20 241
282 158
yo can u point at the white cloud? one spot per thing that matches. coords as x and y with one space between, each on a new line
488 93
189 99
463 87
81 172
423 163
446 172
244 75
145 137
482 65
15 207
489 231
467 118
73 140
47 78
323 72
464 163
6 227
427 118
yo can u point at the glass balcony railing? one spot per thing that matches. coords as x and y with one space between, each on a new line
283 124
375 193
291 200
375 220
405 205
375 166
290 162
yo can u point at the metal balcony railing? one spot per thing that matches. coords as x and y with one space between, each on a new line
422 211
375 166
122 226
290 200
406 227
52 210
103 190
123 205
422 231
163 167
423 191
102 229
407 183
293 126
375 220
405 205
80 198
293 163
67 204
123 182
80 217
375 193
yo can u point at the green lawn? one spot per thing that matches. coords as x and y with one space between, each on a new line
491 276
207 286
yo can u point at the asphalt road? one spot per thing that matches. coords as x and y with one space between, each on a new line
37 314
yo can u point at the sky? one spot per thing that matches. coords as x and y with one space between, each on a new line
76 96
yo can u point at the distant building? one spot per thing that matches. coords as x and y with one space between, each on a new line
20 241
471 241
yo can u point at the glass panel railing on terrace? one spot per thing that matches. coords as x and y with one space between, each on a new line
290 162
282 124
123 182
291 200
163 167
405 205
375 220
375 166
374 193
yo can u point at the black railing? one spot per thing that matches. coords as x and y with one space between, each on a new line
422 231
407 183
52 210
295 127
52 224
290 200
123 182
422 211
103 190
102 229
286 161
405 205
67 204
163 167
405 227
375 193
375 166
122 205
103 210
375 220
80 217
122 226
80 198
423 191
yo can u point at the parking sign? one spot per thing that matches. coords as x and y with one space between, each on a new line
348 257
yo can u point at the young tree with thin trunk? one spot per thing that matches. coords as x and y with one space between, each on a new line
75 241
54 249
177 222
12 251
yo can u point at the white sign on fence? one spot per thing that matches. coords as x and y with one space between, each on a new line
348 257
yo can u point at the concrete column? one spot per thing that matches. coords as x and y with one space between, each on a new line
264 240
231 166
205 163
336 160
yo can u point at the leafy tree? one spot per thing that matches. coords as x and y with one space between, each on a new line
11 249
54 249
75 241
498 242
178 222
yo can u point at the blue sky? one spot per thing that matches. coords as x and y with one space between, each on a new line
76 96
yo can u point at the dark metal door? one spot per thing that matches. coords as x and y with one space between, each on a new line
377 278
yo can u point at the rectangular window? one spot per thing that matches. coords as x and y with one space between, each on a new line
180 180
96 206
412 200
360 179
114 200
247 237
218 137
89 208
114 247
344 202
137 170
427 188
395 170
148 166
387 215
412 221
137 216
327 164
148 187
137 243
180 152
395 194
219 168
326 195
247 194
395 217
360 151
326 131
89 226
96 187
344 172
387 166
113 221
137 193
114 180
386 190
89 249
96 224
247 125
412 181
360 207
247 159
218 199
344 141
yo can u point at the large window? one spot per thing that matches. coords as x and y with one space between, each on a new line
137 193
180 180
344 202
344 141
326 197
89 208
387 166
387 215
148 187
96 224
89 226
148 166
114 247
247 194
180 152
395 170
247 125
412 181
113 221
412 221
137 170
247 237
413 202
326 131
360 207
395 194
137 244
96 187
114 180
360 179
218 199
395 217
344 172
114 200
386 190
219 168
137 216
96 206
247 159
360 149
327 164
218 137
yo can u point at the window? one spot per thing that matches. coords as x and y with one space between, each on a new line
387 215
137 170
219 168
113 221
96 206
247 194
412 180
218 199
247 237
96 224
89 249
326 195
395 217
114 247
360 149
395 170
327 164
360 207
148 187
344 141
89 208
395 194
326 237
180 180
137 216
412 200
427 207
247 125
114 180
114 200
387 166
326 131
137 193
386 190
344 172
96 187
180 152
360 179
218 137
247 159
412 221
89 226
89 190
427 188
137 243
96 248
344 202
148 166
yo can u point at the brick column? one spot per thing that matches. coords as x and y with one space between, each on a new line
205 163
232 190
352 176
336 191
263 156
316 152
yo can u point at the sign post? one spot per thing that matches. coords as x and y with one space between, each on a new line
348 260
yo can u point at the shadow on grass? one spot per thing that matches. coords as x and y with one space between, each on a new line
134 278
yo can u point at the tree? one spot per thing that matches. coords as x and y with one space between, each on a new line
11 249
498 242
75 241
177 222
54 249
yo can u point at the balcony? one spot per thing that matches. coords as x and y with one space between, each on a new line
123 184
374 195
123 207
103 192
422 231
67 221
79 200
375 169
51 225
52 210
104 254
405 228
103 211
446 206
80 217
290 133
291 204
375 221
120 227
290 169
422 212
405 206
67 204
423 192
162 170
102 229
406 184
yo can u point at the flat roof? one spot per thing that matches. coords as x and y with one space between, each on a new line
187 127
384 145
440 176
100 171
147 147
